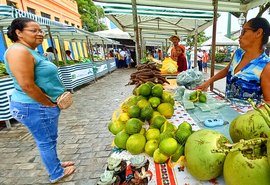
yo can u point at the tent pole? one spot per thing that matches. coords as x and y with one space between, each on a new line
62 48
91 50
136 32
3 36
195 44
104 52
88 47
50 35
215 4
166 45
141 42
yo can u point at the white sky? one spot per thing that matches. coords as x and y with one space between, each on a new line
223 21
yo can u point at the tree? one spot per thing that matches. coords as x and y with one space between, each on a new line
90 15
190 40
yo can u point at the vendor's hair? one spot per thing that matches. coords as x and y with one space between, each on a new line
259 22
50 49
17 24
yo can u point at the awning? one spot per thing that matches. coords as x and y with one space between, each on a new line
66 32
157 23
223 5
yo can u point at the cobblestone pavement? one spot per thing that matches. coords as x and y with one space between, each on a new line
83 136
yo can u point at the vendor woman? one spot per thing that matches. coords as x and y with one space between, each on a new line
248 73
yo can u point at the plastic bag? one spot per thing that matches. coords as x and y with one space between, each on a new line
190 78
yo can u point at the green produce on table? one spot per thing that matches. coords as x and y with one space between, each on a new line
198 95
3 71
253 124
179 152
120 139
202 163
136 143
247 163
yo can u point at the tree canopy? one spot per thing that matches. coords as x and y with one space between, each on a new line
91 15
201 37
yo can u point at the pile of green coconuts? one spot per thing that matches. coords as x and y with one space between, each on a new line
246 161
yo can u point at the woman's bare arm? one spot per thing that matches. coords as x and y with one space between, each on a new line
21 64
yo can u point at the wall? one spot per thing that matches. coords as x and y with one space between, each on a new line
65 10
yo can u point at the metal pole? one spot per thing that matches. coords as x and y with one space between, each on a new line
88 47
166 44
136 32
62 48
3 36
228 48
104 52
141 42
195 44
213 58
54 52
91 50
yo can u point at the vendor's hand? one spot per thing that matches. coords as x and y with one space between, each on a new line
203 86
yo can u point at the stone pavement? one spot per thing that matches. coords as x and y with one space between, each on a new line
83 136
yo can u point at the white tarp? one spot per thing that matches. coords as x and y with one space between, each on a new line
221 40
113 34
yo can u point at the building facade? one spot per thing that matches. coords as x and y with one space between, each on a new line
64 11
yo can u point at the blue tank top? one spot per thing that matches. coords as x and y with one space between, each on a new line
45 76
246 82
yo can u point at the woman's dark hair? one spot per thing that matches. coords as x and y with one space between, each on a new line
68 52
50 49
17 24
259 22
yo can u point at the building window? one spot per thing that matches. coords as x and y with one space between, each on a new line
66 22
45 15
56 19
31 10
78 26
11 3
72 24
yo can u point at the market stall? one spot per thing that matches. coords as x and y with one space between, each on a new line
157 135
6 87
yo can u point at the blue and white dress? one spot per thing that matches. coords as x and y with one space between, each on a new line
245 83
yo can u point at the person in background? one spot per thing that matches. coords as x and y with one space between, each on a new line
160 54
49 54
122 61
155 54
199 59
37 86
68 54
188 54
205 59
181 59
191 59
248 73
175 39
117 58
128 58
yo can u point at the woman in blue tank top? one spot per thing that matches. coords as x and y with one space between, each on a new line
37 86
248 73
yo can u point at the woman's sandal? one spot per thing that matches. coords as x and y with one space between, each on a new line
67 163
67 172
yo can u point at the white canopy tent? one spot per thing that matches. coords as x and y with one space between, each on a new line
113 33
221 40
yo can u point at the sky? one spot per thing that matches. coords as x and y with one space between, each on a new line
223 21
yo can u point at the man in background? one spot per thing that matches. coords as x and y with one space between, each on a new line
175 39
